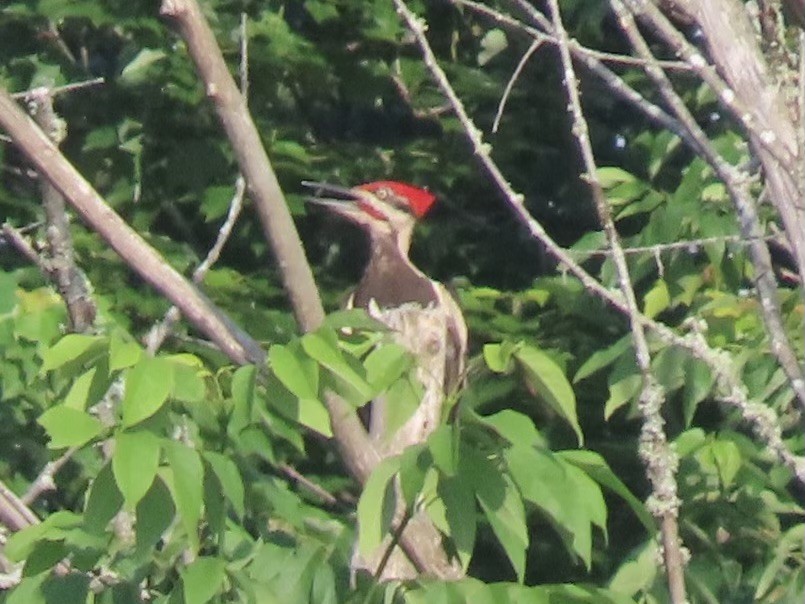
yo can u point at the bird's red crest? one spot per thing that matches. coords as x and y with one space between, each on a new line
419 200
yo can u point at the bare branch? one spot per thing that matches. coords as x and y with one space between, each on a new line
616 84
157 334
62 269
57 90
752 97
510 84
45 480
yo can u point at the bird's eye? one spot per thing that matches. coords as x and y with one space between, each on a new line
382 194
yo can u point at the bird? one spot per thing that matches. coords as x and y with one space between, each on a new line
421 313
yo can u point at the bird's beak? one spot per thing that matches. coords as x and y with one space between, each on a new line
350 203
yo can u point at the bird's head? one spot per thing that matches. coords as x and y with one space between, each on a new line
384 207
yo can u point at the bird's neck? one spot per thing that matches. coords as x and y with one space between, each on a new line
390 278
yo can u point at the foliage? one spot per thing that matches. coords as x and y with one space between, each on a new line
193 480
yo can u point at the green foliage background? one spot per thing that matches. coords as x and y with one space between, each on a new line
537 483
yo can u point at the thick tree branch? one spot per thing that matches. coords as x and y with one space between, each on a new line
264 189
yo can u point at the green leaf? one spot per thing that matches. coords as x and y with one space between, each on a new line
543 480
136 72
594 512
414 463
54 528
323 347
155 513
67 427
492 44
103 502
603 358
501 504
638 572
442 446
243 398
386 364
788 547
314 415
625 382
461 516
609 176
8 296
724 457
401 401
297 375
548 380
134 463
657 299
321 11
188 378
29 591
148 385
354 318
376 506
72 347
123 351
188 478
324 590
228 475
515 427
90 387
203 579
698 385
598 469
498 357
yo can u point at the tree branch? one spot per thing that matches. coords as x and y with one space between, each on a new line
661 461
763 420
51 164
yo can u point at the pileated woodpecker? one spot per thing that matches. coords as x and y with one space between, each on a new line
423 315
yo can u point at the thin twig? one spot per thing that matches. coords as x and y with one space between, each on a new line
510 84
45 480
15 238
689 245
157 334
311 486
57 90
395 540
753 120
